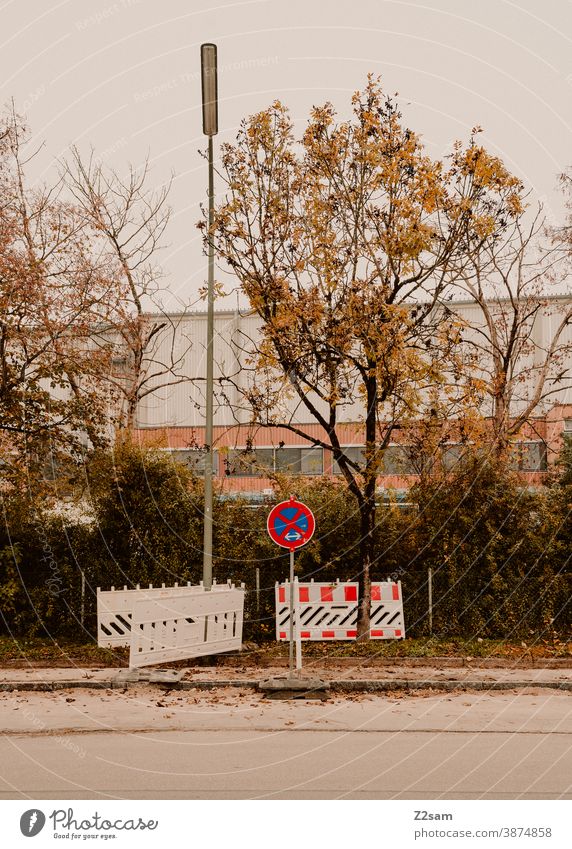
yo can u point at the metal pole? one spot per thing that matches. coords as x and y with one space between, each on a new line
209 90
291 675
257 591
208 519
430 588
298 636
82 612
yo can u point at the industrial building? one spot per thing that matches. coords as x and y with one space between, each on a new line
172 417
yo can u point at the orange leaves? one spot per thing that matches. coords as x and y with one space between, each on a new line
483 225
345 240
487 174
267 131
514 204
486 170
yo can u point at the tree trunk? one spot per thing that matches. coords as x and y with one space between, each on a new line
131 413
367 506
500 427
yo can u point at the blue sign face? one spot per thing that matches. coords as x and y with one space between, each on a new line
291 524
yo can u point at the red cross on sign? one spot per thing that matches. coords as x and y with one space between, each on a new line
291 524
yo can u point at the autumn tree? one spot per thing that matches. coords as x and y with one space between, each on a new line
130 219
53 292
344 242
563 235
521 330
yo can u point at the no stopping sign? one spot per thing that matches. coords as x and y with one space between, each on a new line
291 524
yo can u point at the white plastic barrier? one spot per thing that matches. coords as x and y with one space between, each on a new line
115 609
188 624
328 611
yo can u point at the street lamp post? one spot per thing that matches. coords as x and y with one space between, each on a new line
210 129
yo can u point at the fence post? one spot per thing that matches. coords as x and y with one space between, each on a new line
430 590
82 611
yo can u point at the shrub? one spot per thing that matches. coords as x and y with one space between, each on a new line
499 552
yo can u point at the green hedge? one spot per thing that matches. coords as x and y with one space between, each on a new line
499 553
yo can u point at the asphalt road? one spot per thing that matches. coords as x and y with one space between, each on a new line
235 745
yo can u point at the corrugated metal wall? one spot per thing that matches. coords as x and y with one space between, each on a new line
182 405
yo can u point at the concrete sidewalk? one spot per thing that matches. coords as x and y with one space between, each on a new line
342 678
143 708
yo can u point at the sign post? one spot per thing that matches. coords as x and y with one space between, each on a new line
291 525
291 647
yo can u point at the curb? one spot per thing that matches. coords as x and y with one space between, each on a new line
335 686
431 662
446 686
351 662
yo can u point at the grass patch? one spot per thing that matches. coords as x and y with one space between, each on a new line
442 647
427 647
42 651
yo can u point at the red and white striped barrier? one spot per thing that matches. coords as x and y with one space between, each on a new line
386 613
328 611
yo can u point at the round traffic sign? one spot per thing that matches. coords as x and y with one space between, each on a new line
291 524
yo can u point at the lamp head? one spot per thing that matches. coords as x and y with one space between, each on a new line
209 89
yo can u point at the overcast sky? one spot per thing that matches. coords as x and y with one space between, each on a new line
125 77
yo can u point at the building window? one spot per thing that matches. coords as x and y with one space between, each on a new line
524 456
286 461
452 456
568 426
354 453
299 461
528 457
194 458
395 461
243 463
